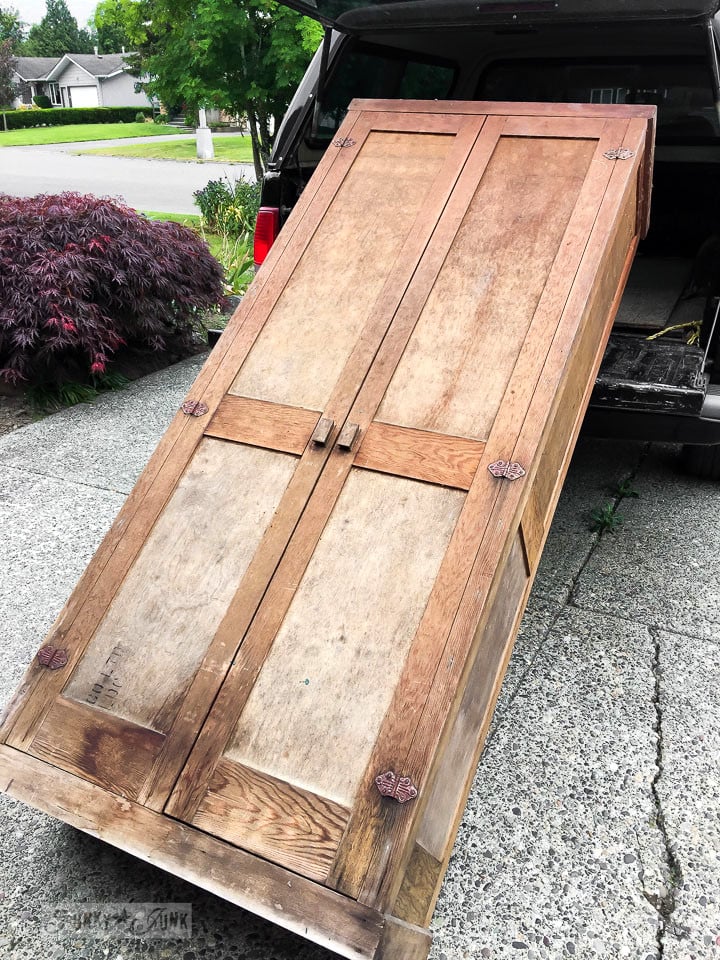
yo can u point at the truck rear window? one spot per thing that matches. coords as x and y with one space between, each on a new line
374 72
681 89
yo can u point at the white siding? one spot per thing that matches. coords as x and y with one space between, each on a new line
119 91
74 76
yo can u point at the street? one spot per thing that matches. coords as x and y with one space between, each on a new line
163 185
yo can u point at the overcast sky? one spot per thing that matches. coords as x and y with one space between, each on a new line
32 11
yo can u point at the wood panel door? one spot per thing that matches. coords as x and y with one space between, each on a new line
154 626
353 662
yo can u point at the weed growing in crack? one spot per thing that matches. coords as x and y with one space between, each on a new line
625 489
604 519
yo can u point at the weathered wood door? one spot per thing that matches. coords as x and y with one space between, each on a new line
306 578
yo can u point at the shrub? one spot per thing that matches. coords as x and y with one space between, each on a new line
83 279
139 117
161 118
237 260
40 100
61 116
229 207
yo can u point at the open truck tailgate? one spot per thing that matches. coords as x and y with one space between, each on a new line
276 675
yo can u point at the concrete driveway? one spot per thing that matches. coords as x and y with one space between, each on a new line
593 826
164 185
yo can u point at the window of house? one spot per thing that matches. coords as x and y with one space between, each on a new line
54 94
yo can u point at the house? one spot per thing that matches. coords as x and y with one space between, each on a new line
29 78
79 80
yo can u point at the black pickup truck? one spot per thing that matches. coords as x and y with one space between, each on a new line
660 378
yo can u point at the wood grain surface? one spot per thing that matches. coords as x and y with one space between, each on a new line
272 818
349 929
342 271
433 457
274 426
489 287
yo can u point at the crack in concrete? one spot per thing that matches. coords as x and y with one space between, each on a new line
665 901
71 481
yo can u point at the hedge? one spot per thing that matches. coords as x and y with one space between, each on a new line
61 116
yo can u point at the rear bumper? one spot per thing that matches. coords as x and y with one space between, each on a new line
703 428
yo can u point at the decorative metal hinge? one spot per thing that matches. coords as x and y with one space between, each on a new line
194 408
401 789
52 657
619 153
344 142
507 470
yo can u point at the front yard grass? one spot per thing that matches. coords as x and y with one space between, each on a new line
79 132
192 220
236 149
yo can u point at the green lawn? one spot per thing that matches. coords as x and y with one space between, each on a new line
227 150
188 220
76 132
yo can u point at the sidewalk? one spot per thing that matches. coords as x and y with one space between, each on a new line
593 826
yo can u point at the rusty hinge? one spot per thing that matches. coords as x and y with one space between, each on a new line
194 408
344 142
619 153
52 657
401 789
507 470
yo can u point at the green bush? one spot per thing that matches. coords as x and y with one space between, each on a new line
236 258
62 116
229 208
40 100
139 117
161 118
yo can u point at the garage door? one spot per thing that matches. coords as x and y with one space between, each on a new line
84 97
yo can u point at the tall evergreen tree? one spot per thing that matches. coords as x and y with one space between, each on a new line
57 33
11 27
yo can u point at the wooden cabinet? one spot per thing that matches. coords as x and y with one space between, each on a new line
276 675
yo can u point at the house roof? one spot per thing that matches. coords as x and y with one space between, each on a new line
34 68
49 68
105 65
